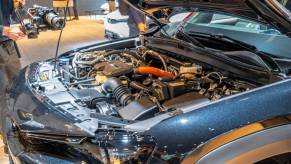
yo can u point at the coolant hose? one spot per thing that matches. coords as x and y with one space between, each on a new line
154 71
120 92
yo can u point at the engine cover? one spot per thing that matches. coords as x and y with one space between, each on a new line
113 68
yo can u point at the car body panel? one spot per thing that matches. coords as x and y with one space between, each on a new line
175 133
249 139
197 127
37 114
191 129
33 114
187 130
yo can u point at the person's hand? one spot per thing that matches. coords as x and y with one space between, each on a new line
141 27
19 3
13 34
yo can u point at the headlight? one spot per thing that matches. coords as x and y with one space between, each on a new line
124 148
107 147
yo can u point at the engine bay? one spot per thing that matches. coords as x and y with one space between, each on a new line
132 84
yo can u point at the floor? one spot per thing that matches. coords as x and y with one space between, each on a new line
76 34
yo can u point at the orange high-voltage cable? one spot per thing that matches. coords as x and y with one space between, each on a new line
154 71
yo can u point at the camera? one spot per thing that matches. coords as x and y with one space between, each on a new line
42 19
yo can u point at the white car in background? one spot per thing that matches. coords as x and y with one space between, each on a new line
105 7
116 24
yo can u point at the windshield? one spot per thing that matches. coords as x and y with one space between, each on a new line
263 36
229 22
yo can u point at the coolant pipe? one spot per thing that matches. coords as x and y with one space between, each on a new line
154 71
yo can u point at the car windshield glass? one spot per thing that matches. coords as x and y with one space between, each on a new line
229 22
254 32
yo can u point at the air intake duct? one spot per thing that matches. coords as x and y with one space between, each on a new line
120 92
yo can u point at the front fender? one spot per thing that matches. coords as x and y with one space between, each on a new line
205 122
212 148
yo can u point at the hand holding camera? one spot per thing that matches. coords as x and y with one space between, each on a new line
13 34
42 19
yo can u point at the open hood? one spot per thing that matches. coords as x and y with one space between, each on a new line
269 11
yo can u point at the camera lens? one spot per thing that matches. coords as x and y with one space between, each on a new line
55 21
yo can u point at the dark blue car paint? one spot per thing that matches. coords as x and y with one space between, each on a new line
185 132
46 119
179 134
32 114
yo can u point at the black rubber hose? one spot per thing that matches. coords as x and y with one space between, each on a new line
138 86
120 92
158 56
134 54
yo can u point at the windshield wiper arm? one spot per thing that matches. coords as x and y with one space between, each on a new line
157 22
153 18
267 59
225 39
189 38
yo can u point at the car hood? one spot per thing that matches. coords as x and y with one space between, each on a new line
268 11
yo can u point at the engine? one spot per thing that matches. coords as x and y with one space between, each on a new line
139 83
